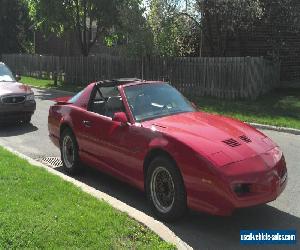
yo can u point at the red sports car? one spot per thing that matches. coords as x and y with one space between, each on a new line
147 134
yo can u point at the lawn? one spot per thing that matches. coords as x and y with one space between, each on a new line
39 210
280 107
45 83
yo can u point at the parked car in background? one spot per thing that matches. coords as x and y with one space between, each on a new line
149 135
16 99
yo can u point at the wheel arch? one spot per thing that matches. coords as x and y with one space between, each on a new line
63 126
156 152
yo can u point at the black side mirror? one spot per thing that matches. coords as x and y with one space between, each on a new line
18 78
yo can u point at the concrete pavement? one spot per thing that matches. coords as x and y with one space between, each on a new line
200 231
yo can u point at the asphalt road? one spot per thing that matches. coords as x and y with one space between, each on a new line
200 231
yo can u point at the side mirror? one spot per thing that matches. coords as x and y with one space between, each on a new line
120 117
18 78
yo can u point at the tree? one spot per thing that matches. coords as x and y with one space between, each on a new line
222 20
133 33
281 17
172 31
88 18
14 24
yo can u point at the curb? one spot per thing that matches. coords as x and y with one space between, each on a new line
155 226
278 129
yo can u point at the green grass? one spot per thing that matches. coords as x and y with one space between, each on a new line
39 210
45 83
280 107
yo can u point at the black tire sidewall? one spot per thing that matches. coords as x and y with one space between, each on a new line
76 167
27 119
180 205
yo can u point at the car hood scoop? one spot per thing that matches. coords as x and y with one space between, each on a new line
209 134
232 143
199 124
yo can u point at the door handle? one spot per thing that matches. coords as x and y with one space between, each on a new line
87 124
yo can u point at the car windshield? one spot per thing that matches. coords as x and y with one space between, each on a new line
150 101
5 74
75 97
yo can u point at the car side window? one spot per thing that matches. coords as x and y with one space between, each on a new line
106 101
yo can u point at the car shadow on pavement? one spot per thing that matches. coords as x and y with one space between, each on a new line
203 231
199 230
10 130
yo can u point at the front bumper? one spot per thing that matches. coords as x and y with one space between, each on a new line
263 186
15 112
265 176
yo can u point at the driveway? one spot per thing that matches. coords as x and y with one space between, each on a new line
200 231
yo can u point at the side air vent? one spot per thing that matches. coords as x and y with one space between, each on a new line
232 143
245 138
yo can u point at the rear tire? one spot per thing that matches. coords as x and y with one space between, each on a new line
69 152
165 189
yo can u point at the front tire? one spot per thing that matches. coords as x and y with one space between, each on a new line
165 189
27 119
69 152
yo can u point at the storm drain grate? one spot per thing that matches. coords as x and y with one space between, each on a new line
53 162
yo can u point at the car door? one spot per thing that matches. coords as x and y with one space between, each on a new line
94 125
128 144
109 145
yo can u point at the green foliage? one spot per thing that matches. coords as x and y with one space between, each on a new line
118 21
224 19
41 211
281 107
172 31
181 27
134 31
111 40
15 35
48 83
88 18
282 17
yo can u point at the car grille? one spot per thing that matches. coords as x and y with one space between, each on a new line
232 143
13 99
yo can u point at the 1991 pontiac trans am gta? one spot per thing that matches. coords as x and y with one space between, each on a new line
149 135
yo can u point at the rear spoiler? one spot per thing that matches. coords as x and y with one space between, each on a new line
62 100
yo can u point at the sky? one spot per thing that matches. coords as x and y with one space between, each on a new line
183 2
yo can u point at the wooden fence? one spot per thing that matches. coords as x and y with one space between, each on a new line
226 77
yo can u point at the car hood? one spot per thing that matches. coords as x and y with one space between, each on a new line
222 139
8 88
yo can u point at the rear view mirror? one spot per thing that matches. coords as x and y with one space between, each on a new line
120 117
18 78
194 105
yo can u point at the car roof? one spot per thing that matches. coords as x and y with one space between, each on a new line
124 81
117 82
